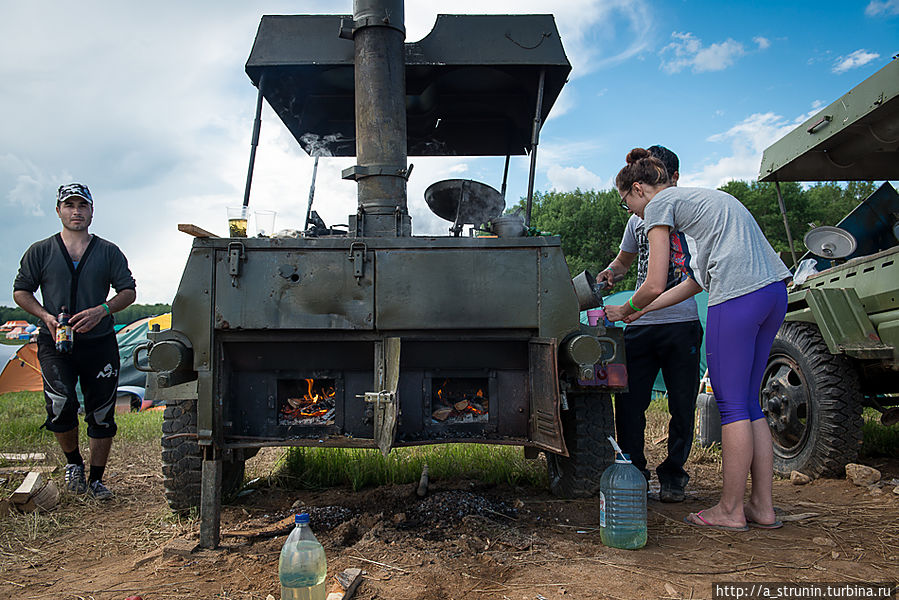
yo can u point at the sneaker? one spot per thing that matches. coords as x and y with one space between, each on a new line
97 490
75 481
672 494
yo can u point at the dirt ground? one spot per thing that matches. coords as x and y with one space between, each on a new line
464 540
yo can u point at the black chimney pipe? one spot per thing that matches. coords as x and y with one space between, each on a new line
378 31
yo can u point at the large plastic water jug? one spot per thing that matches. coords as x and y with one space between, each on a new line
302 567
622 504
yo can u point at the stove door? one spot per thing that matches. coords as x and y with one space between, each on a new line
545 424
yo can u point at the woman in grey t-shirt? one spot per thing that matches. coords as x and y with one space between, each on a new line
747 302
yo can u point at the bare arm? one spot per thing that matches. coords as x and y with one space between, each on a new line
29 304
656 276
657 272
685 289
88 318
617 269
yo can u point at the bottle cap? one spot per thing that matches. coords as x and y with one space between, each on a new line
301 518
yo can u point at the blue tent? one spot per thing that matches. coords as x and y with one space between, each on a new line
702 303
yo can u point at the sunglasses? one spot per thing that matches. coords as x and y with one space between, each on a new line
623 202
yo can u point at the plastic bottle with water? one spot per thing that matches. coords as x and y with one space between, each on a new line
622 504
302 567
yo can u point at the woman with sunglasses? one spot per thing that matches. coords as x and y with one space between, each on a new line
747 302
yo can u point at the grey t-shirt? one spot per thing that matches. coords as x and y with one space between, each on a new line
636 242
732 256
48 266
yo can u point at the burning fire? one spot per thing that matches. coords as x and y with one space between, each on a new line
314 403
456 398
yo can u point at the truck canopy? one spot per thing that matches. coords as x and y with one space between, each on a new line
471 84
855 138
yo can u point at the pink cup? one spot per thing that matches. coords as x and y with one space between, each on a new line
595 316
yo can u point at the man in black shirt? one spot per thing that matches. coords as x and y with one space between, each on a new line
75 269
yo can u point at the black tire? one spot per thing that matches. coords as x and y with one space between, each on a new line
182 459
813 404
586 426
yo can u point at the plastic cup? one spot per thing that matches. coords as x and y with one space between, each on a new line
265 223
237 221
595 316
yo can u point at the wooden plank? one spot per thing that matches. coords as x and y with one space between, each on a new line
343 585
28 469
195 231
32 483
281 527
23 456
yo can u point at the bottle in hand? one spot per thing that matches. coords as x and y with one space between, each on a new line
64 335
302 568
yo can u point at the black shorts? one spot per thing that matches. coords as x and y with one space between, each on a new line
93 362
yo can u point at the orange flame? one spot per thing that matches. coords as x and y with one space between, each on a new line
309 407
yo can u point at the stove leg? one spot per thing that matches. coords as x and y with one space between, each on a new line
211 498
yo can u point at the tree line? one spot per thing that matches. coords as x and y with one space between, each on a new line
130 314
592 222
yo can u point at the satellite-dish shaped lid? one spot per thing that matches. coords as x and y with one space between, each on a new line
464 201
830 242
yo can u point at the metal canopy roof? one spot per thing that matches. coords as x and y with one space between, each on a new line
471 84
855 138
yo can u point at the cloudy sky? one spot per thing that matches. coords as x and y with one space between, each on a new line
148 103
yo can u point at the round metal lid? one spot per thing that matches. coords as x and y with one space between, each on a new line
464 201
830 242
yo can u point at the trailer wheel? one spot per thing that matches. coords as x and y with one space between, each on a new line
813 404
182 459
586 425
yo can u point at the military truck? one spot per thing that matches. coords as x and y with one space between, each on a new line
838 349
371 337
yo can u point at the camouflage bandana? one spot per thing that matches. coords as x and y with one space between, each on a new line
73 189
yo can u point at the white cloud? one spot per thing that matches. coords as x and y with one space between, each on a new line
748 139
687 51
566 179
876 7
762 42
853 60
596 33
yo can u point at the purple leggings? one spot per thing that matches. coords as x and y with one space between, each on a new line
738 341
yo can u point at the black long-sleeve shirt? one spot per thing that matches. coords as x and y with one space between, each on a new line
48 266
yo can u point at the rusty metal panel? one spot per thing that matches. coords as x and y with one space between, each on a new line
492 288
558 303
293 289
545 423
474 97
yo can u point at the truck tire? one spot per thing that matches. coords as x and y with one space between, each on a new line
586 426
182 459
813 404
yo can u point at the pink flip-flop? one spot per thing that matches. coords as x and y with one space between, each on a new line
707 525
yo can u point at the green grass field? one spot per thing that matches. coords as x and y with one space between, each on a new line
23 414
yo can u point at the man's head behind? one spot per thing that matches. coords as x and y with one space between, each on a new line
669 159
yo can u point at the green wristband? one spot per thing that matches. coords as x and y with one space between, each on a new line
106 307
631 302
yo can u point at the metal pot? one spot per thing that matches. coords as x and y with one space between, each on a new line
508 226
586 290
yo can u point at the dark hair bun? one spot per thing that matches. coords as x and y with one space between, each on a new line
636 154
